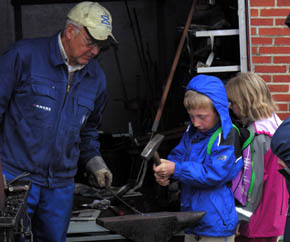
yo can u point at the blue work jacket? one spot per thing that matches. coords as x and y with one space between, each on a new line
46 127
205 178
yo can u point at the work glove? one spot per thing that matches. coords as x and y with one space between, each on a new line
99 174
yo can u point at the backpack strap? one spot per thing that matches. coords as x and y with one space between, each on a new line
212 139
242 185
217 133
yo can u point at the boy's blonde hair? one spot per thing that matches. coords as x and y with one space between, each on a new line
252 96
196 100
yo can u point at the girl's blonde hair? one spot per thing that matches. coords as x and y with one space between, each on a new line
252 96
196 100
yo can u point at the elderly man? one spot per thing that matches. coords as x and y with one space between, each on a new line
52 95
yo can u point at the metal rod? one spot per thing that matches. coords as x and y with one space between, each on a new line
173 68
115 50
125 203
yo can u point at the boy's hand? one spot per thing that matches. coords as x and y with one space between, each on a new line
237 230
163 172
162 181
165 169
280 162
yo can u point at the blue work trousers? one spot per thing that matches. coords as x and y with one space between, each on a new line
49 211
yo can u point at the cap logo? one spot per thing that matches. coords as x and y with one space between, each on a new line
105 20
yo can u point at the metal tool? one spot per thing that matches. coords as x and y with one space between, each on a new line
173 68
150 149
98 204
2 189
148 152
18 188
125 203
154 227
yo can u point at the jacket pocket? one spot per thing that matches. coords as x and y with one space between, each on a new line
85 107
43 104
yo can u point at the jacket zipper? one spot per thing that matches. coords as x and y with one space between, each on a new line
283 193
68 86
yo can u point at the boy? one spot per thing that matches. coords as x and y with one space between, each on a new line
205 178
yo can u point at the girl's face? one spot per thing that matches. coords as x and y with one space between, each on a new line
203 119
234 107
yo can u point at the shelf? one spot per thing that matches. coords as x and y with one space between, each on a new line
218 69
220 32
207 68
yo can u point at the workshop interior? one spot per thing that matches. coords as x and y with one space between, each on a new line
162 44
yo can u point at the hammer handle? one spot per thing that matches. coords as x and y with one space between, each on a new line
156 158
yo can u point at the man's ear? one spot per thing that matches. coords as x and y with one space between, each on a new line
69 31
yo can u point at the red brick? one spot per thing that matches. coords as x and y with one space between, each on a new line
281 59
281 97
278 88
261 59
274 50
254 31
254 12
262 3
282 106
270 69
281 78
267 78
283 116
283 3
261 22
280 22
274 12
282 41
262 41
274 31
254 50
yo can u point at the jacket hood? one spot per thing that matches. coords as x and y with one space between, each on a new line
213 88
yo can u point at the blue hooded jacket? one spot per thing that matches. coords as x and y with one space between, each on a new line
205 179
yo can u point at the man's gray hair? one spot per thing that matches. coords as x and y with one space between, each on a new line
69 21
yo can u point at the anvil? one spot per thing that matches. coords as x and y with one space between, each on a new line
150 227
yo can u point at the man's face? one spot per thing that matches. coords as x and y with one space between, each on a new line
203 119
79 47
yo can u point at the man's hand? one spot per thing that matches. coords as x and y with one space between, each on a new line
101 178
99 174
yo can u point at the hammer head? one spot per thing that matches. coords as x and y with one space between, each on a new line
152 146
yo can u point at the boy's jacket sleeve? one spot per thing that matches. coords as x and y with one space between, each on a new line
212 170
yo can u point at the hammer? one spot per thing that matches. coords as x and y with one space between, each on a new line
150 149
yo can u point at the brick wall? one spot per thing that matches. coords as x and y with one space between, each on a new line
270 48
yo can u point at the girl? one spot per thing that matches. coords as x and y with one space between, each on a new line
263 218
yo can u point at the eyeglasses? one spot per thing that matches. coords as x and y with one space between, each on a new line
89 42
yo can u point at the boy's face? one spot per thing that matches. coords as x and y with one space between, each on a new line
203 119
